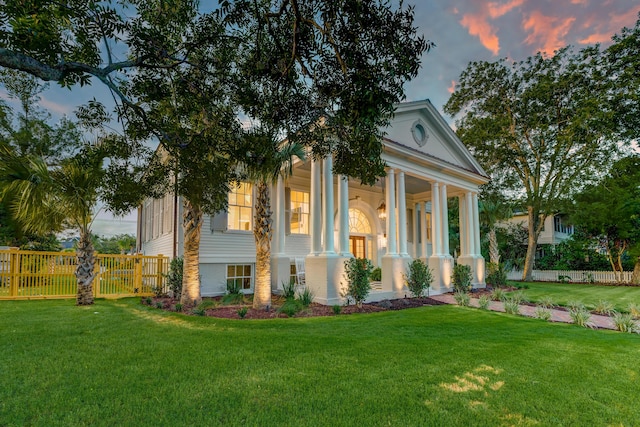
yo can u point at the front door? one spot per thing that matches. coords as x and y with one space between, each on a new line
357 245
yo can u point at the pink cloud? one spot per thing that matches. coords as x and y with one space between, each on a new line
452 88
546 33
479 27
497 10
582 2
605 29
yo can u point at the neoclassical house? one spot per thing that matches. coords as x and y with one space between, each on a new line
325 219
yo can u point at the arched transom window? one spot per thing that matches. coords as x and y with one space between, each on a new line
358 222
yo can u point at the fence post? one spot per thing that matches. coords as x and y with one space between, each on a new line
14 271
159 281
137 274
96 277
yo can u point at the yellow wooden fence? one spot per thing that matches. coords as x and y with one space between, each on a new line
34 274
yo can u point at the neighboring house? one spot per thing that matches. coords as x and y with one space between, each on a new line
326 219
556 228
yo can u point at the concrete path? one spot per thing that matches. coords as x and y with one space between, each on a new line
596 320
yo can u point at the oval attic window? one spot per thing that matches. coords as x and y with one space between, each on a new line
419 133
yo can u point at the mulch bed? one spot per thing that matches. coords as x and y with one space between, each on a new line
314 310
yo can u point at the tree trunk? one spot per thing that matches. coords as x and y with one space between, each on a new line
635 277
262 231
85 271
494 253
192 227
534 232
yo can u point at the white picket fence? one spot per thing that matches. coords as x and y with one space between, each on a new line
573 276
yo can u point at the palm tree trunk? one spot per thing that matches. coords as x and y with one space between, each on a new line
262 231
494 253
85 271
192 228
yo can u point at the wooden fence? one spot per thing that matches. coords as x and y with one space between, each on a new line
34 275
574 276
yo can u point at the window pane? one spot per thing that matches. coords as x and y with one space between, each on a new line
231 271
247 270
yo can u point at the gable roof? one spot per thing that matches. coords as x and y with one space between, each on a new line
418 127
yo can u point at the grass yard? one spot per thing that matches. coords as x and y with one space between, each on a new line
120 363
562 293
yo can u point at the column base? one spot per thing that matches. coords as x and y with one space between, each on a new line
326 278
476 262
280 271
441 267
394 267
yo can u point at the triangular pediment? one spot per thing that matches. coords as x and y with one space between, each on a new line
419 127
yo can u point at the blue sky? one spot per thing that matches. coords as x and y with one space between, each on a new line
463 31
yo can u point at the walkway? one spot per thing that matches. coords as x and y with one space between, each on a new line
598 321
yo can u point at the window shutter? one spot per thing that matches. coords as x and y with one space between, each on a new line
287 210
410 225
219 221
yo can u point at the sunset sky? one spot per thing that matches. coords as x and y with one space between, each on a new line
465 31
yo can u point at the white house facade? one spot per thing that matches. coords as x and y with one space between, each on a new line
326 219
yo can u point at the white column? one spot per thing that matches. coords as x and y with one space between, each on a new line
445 219
436 229
462 213
343 212
423 228
327 204
417 226
471 245
402 215
391 213
476 224
279 240
315 217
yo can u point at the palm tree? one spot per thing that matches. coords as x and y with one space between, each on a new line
47 199
493 209
266 159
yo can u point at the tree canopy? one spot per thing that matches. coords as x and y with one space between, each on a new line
609 211
541 127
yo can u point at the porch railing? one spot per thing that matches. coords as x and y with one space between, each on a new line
35 274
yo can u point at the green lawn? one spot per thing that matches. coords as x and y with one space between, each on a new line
562 293
120 363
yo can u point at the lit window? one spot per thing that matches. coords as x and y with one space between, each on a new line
428 221
239 276
358 222
299 212
239 217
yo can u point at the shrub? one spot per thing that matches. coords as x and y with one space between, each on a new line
462 298
290 307
564 279
575 305
461 278
419 278
358 271
159 304
234 293
305 297
198 311
242 312
634 310
518 297
336 309
543 313
604 307
496 275
483 302
511 306
174 277
580 317
376 274
498 295
289 289
148 300
624 322
546 302
178 307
